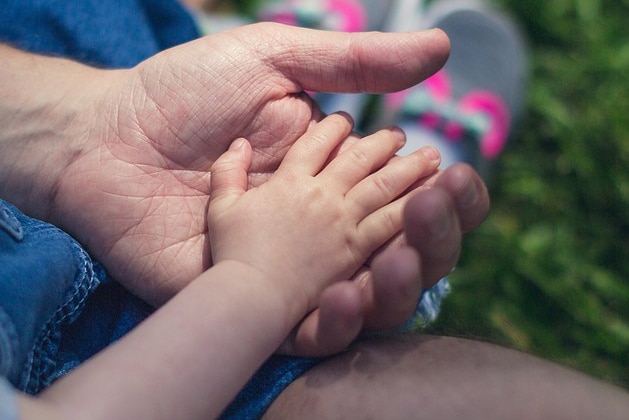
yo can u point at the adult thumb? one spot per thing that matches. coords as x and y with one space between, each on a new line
373 62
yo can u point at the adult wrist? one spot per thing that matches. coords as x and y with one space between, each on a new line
46 114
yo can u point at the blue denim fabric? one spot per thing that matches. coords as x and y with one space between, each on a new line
45 279
269 382
58 307
104 33
8 401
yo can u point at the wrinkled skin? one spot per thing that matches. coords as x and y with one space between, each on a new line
136 189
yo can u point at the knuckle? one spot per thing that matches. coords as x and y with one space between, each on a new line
359 157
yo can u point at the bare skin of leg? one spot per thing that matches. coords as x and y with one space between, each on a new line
419 376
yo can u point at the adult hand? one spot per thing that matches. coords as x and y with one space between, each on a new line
161 125
132 184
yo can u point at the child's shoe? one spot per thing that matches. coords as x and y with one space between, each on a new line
467 109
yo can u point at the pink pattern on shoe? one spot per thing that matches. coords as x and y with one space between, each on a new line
495 138
480 114
438 86
352 12
334 15
286 17
430 120
454 131
440 89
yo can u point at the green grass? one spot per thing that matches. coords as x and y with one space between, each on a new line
548 272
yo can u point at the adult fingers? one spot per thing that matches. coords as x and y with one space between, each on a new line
350 62
431 226
396 288
332 326
469 194
451 203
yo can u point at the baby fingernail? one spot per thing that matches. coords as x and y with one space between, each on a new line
399 134
237 144
431 153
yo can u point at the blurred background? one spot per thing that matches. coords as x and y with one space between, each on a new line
548 272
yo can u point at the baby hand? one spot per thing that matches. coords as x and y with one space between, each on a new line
322 214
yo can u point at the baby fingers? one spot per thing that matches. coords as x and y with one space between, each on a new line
312 150
392 180
379 199
362 158
228 175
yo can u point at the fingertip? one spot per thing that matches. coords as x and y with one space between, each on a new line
229 173
441 38
432 227
398 134
243 146
238 144
432 154
333 326
340 317
469 192
346 116
341 300
239 148
397 287
400 266
424 214
439 43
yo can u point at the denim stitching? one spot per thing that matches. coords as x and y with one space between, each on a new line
40 366
9 223
8 344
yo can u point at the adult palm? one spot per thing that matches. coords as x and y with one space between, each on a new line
142 172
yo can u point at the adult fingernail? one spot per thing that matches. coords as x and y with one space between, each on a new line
469 196
441 223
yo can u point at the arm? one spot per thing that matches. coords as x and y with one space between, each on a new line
137 143
45 115
188 360
134 146
268 246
